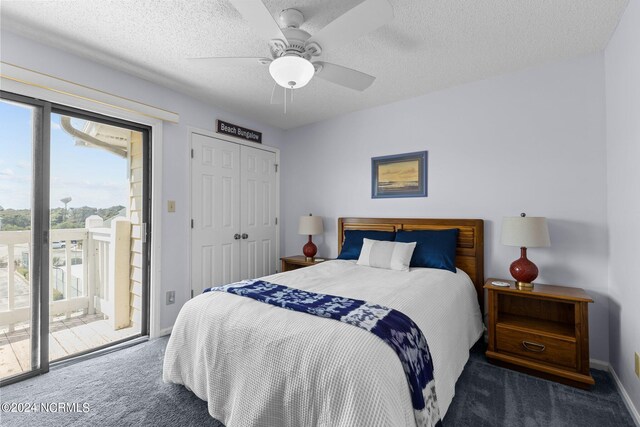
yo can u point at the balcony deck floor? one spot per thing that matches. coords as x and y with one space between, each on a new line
66 337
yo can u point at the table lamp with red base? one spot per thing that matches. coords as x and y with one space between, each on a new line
310 225
525 232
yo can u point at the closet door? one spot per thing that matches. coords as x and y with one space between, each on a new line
257 213
215 251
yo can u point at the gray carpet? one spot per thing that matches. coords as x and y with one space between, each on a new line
125 388
487 395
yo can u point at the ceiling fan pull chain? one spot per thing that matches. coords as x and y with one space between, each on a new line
285 100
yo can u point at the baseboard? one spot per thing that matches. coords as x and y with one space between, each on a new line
165 331
605 366
600 365
625 396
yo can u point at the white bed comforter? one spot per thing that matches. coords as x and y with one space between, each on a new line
260 365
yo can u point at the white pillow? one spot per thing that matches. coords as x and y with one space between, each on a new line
384 254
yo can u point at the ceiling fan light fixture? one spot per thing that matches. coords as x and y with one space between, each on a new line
291 72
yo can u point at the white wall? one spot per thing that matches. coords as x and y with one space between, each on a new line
623 157
175 183
530 142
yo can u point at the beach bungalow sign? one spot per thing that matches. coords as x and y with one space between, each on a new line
238 131
399 175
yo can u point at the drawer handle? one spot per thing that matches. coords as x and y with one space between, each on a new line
535 347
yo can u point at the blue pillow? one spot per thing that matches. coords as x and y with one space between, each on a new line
353 239
434 249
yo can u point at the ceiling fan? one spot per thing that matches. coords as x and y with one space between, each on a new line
293 51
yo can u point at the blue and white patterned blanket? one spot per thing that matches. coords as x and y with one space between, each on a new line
391 326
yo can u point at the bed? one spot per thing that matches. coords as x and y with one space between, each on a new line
260 365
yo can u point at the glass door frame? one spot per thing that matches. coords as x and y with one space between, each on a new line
146 209
40 231
39 256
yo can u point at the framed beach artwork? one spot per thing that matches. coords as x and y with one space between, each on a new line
400 175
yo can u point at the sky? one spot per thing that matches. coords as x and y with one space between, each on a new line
91 177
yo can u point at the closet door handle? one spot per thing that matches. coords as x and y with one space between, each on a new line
533 346
245 236
236 236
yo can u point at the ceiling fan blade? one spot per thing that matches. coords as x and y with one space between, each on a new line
259 18
344 76
362 19
232 61
277 94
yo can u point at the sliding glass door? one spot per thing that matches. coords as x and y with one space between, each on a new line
18 347
74 197
95 257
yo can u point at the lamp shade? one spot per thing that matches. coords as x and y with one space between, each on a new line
291 72
525 231
310 225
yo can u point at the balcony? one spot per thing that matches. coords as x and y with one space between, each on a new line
89 291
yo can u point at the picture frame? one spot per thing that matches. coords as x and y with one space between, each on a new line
399 175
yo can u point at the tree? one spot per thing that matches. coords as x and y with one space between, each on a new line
20 219
15 219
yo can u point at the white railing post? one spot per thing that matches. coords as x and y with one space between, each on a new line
100 274
119 263
11 270
105 275
90 254
85 270
67 273
90 261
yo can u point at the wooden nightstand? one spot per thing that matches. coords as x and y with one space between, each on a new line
297 261
544 331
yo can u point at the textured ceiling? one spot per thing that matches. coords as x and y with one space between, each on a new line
430 45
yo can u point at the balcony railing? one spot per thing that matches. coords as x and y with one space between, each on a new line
89 271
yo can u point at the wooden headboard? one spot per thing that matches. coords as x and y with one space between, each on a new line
470 250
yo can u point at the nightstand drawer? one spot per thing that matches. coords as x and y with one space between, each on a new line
299 261
534 346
